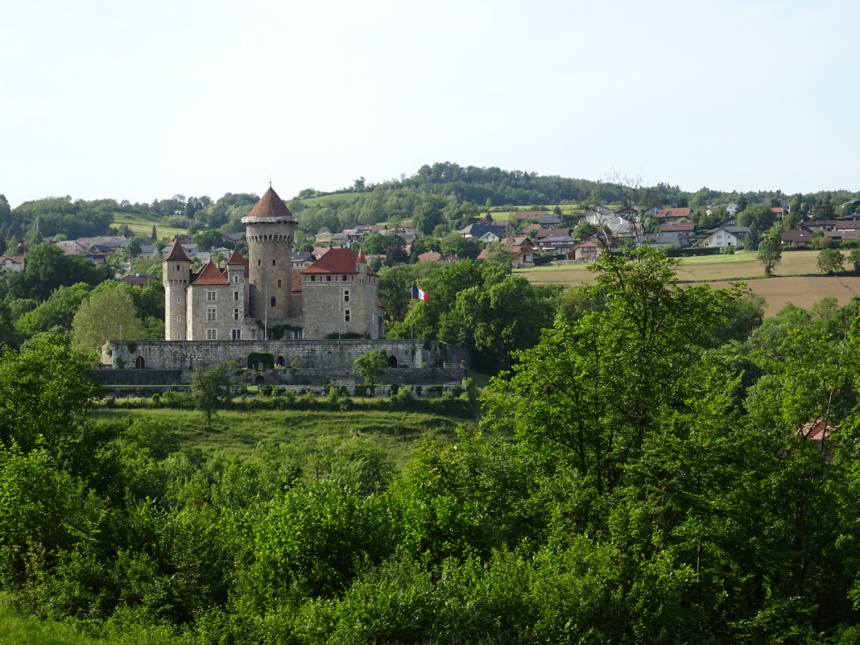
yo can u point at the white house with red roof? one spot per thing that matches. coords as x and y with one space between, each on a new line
263 296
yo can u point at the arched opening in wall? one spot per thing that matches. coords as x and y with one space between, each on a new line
273 301
139 364
281 361
259 380
392 361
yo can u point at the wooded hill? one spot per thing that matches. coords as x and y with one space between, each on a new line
437 198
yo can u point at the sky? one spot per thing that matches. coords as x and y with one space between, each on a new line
146 100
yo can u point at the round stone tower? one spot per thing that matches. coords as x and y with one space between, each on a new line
176 273
269 229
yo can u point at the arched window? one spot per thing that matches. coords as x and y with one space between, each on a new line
139 363
273 301
392 361
281 361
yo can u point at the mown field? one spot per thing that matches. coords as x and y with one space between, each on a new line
141 225
796 280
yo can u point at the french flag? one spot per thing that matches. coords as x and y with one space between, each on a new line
419 294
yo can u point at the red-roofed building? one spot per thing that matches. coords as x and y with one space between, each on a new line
675 213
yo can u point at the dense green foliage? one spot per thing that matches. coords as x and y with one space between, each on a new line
665 485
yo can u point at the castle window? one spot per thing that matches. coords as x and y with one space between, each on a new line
211 296
235 295
237 334
313 278
273 301
279 284
211 334
210 313
328 278
236 315
179 318
179 300
346 295
344 278
259 262
346 315
235 279
273 263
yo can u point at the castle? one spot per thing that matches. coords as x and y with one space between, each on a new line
263 296
263 315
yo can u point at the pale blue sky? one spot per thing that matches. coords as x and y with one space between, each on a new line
143 100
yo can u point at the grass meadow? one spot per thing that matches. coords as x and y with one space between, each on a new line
236 433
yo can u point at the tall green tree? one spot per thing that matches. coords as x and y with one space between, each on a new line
770 253
107 314
210 390
830 261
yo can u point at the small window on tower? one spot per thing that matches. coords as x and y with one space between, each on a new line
259 262
236 314
346 315
313 278
279 284
328 278
346 295
235 295
273 301
344 278
273 263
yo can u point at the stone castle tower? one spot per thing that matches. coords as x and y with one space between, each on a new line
269 229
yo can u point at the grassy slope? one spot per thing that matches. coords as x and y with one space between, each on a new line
141 224
334 197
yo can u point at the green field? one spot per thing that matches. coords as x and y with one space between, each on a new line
237 433
141 225
796 279
334 197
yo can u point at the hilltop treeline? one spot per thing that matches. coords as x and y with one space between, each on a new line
638 477
444 195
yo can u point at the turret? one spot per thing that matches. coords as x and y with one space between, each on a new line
176 273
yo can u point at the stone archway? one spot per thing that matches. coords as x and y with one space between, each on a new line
259 380
139 363
392 361
281 361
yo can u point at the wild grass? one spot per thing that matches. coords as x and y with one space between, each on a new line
237 433
16 629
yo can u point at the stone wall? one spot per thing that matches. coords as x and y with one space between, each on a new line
332 355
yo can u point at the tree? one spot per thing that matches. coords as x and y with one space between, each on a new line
132 249
770 253
45 390
371 366
107 314
57 311
854 258
830 261
210 390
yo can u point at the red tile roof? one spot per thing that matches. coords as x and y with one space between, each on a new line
336 260
211 274
674 227
177 253
237 258
270 205
430 256
675 212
